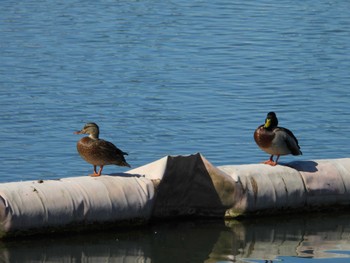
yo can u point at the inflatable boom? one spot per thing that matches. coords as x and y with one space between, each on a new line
171 187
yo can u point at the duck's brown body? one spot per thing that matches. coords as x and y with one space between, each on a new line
275 140
99 152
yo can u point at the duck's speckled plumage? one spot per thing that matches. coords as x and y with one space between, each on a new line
99 152
275 140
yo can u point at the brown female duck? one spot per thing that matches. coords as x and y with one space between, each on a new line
275 140
98 152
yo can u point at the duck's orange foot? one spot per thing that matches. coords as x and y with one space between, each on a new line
270 162
94 175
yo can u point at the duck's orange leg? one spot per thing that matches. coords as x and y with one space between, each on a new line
271 161
95 171
99 171
278 156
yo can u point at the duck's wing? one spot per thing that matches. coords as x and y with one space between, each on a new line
109 148
291 141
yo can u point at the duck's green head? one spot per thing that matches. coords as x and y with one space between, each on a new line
271 120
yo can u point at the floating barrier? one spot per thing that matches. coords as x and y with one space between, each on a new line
174 186
40 206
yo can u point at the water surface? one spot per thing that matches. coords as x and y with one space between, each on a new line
316 238
164 77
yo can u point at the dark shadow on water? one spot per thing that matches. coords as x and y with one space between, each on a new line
194 240
171 241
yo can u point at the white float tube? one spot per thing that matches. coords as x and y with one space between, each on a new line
48 205
171 187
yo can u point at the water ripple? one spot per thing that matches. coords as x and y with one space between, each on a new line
169 78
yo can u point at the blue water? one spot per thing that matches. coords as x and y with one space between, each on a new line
169 77
163 77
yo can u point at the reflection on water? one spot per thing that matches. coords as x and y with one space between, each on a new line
291 239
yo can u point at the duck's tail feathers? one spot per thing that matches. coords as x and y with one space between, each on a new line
297 152
124 163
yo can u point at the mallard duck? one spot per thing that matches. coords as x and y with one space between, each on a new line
275 140
98 152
